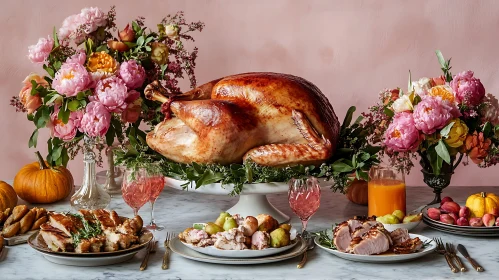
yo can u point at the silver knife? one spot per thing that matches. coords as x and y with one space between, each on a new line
465 254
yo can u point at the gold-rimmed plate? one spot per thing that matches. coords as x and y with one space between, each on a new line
178 247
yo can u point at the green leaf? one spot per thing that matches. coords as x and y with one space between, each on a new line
117 126
140 41
33 139
487 129
80 96
359 120
102 48
388 112
57 65
341 167
31 117
442 151
49 70
364 156
348 117
441 59
435 160
136 28
42 116
417 99
73 105
33 87
56 39
56 153
445 131
65 157
50 98
130 44
63 115
148 48
209 177
409 84
110 136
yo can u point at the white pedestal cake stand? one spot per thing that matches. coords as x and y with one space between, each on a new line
252 200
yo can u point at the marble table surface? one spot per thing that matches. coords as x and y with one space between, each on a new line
178 209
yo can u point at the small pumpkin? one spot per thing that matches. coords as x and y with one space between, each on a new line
357 192
8 197
38 183
482 203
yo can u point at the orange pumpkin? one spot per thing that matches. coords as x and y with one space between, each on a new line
37 183
8 197
357 192
482 203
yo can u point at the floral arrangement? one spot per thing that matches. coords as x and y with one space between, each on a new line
437 119
94 80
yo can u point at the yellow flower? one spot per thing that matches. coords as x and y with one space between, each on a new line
445 92
457 134
159 53
102 62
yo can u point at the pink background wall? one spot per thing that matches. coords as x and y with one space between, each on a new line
349 49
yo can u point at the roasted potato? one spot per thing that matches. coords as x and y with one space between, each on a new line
39 222
40 212
6 213
27 221
11 230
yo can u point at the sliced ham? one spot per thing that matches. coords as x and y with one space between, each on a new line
372 243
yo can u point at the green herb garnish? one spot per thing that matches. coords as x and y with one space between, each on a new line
89 230
325 240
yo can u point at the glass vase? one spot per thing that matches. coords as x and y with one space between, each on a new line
438 182
90 195
112 174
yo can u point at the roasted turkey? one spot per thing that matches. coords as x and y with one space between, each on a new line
273 119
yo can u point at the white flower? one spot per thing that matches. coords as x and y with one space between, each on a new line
403 103
422 86
171 31
490 111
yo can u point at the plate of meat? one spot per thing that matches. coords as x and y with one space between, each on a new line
100 236
365 240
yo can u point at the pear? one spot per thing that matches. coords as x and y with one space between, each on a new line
412 218
230 223
279 238
287 227
221 219
399 214
212 228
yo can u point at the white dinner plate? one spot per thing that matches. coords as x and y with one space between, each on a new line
384 258
178 247
88 261
212 251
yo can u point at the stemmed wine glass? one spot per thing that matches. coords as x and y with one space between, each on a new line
304 197
156 184
135 188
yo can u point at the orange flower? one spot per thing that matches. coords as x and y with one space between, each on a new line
438 81
391 95
443 91
31 102
103 62
477 147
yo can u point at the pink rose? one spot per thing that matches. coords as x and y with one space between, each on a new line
71 79
433 113
402 135
78 58
468 89
31 102
67 131
96 120
132 74
112 93
38 53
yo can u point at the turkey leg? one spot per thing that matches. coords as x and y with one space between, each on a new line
155 91
316 150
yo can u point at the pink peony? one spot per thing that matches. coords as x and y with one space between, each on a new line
468 89
112 93
132 74
93 18
78 58
89 19
71 79
402 135
38 53
96 120
490 112
433 113
67 131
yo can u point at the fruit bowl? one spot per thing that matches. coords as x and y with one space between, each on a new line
409 226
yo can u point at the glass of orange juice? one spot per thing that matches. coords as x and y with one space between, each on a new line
386 191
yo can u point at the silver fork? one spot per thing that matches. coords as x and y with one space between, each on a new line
441 250
452 251
166 256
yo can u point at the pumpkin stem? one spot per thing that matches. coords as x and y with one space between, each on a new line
483 194
41 161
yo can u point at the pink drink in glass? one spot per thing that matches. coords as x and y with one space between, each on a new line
136 193
304 198
156 184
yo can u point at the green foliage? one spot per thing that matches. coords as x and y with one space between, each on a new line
445 66
89 229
